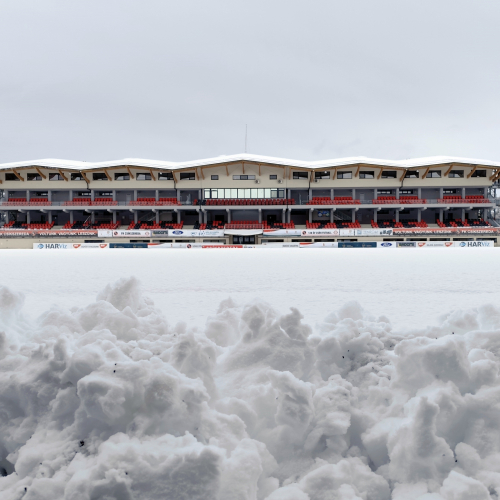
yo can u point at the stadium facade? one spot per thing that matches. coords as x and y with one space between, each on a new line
248 199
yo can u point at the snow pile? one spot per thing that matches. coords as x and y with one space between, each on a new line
109 401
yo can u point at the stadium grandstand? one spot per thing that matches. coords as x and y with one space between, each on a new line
249 193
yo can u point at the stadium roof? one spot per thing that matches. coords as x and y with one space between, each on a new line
237 158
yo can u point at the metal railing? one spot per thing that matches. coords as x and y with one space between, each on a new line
139 205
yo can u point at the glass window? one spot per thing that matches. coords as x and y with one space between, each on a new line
251 177
207 193
322 175
214 177
388 174
247 193
434 173
367 175
273 177
11 177
479 173
260 193
34 177
143 177
166 176
300 175
267 193
234 193
456 173
187 176
58 177
412 174
121 176
77 177
236 177
344 175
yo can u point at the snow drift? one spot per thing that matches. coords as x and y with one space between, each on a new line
110 401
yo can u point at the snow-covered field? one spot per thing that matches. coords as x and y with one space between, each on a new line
240 374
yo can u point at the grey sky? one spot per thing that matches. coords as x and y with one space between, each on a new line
176 80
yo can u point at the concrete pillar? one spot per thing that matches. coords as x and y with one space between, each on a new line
157 195
289 215
441 213
375 212
311 215
157 219
463 194
114 216
331 193
70 194
178 216
92 194
397 193
49 216
441 193
419 213
228 215
135 217
71 216
135 194
397 215
331 215
114 194
27 195
49 195
28 216
353 193
485 192
205 216
374 195
283 216
353 217
463 213
92 217
178 195
260 215
6 191
419 192
200 216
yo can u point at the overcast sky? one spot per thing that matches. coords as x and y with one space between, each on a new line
97 80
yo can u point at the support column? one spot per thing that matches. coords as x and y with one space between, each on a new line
463 194
113 194
92 194
28 216
331 194
205 216
92 217
310 215
441 193
260 215
331 214
283 216
114 216
49 195
135 194
310 193
157 195
397 214
178 216
375 194
441 214
228 210
397 193
157 219
71 216
70 195
419 193
200 216
353 217
28 195
353 194
289 215
419 214
463 213
135 217
485 192
375 213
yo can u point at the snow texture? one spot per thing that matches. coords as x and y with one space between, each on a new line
110 401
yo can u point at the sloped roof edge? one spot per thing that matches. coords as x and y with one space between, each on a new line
168 165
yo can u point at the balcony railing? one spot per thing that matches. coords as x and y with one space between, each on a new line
302 203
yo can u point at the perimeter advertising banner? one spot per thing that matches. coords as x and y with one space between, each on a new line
70 246
192 233
117 233
35 233
429 231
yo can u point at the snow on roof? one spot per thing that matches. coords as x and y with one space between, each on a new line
226 159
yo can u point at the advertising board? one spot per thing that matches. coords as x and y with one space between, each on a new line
117 233
190 233
70 246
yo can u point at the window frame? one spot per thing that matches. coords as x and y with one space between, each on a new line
347 174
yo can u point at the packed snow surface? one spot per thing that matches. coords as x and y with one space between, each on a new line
114 398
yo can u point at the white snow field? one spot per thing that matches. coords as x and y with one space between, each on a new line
239 374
